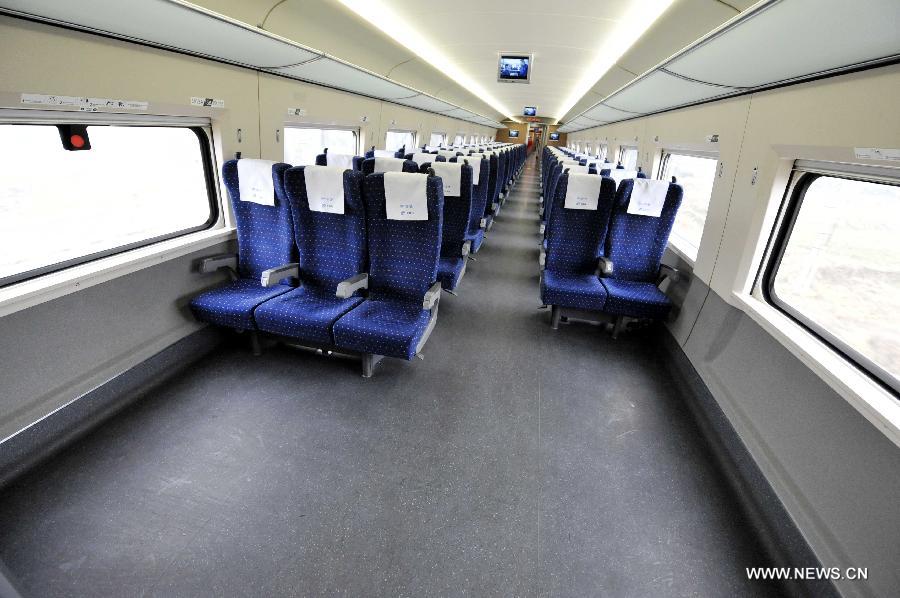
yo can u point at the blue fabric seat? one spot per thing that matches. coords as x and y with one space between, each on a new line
635 245
570 277
403 260
233 305
475 232
581 291
331 248
264 240
383 327
322 160
456 218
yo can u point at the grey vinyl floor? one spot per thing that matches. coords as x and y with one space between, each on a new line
513 461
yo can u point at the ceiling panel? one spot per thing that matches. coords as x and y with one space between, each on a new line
172 25
603 113
793 39
659 91
425 102
343 76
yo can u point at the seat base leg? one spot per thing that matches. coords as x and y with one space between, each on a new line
369 361
554 317
255 345
618 326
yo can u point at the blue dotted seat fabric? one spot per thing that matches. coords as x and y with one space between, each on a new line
635 244
475 233
457 213
264 240
368 166
331 248
570 278
403 261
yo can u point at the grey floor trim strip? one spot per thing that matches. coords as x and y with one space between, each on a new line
777 532
41 440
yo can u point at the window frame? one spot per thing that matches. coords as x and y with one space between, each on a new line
803 175
625 148
443 138
415 138
661 175
355 130
204 136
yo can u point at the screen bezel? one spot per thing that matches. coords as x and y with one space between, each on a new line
515 55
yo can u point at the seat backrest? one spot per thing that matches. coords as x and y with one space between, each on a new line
457 179
578 234
635 243
264 233
479 190
556 171
331 246
368 165
403 254
494 181
322 160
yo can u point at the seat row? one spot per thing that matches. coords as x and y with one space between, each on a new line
334 258
603 241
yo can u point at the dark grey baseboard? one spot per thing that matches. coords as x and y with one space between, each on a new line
42 439
782 539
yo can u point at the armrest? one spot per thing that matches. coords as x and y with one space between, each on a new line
542 258
604 266
483 223
273 276
432 296
667 271
346 288
215 262
466 248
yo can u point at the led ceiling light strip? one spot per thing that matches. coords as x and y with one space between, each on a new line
633 24
392 24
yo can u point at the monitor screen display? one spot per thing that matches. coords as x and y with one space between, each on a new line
554 136
514 68
513 133
530 111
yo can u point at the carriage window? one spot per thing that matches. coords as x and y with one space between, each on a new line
302 144
397 139
628 157
602 151
459 140
696 174
837 267
134 186
437 139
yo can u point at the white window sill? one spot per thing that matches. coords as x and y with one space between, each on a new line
681 254
29 293
875 403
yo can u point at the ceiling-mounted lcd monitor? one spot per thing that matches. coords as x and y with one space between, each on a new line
513 133
514 68
530 111
554 136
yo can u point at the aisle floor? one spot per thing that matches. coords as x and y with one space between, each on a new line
515 460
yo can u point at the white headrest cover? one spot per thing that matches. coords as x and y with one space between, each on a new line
388 165
325 188
648 196
451 175
405 196
342 160
583 191
447 153
619 175
475 163
423 158
576 168
384 154
255 182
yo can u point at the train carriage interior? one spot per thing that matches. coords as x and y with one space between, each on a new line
393 298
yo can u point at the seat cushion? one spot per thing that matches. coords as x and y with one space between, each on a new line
449 271
582 291
477 239
305 313
383 328
635 299
232 306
